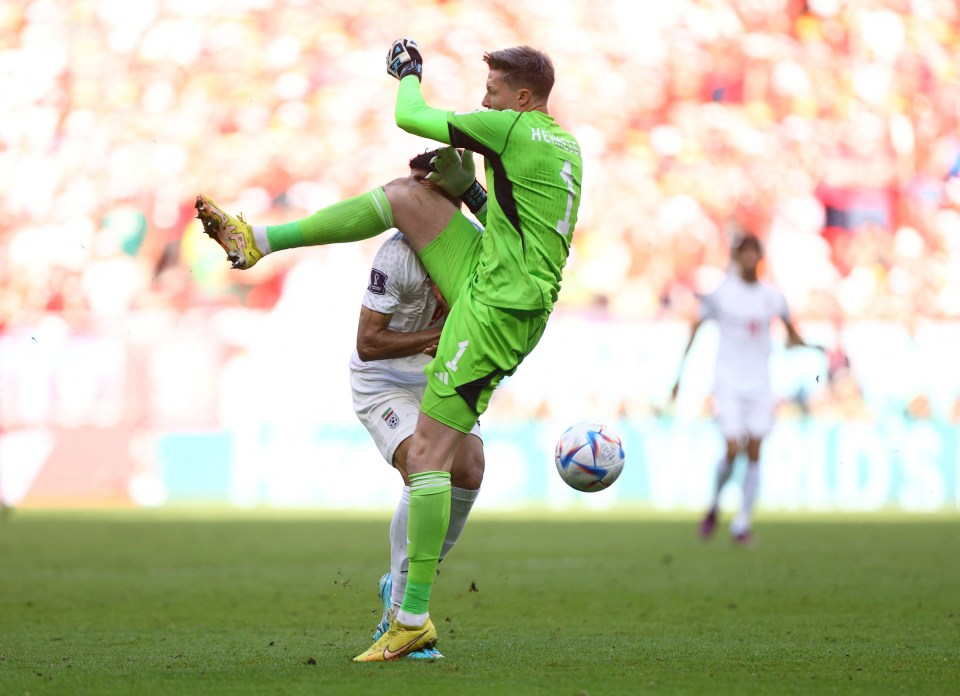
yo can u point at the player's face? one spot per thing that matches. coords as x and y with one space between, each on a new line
748 258
500 96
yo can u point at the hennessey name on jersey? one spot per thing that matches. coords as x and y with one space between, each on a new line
538 134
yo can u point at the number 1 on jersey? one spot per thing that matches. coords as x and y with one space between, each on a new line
452 364
563 226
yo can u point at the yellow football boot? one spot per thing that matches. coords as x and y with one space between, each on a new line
231 233
399 641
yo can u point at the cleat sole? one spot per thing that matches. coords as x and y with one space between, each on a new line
213 223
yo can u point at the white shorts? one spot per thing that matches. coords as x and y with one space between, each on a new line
744 413
388 410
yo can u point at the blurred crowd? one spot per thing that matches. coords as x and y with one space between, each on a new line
831 129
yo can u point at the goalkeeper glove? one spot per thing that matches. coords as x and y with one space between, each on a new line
404 59
456 174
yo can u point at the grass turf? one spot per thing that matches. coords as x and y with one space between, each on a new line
261 603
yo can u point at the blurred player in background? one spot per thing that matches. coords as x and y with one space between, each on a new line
399 328
501 285
743 307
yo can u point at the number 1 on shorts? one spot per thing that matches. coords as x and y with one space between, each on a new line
452 364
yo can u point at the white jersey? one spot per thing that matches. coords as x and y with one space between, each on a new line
743 312
400 286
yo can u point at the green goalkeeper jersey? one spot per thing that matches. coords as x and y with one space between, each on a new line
533 171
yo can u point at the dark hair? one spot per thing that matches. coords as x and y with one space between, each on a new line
422 161
523 66
747 239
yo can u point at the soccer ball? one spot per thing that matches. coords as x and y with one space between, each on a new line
589 456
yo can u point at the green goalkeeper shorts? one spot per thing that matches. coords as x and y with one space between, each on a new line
480 344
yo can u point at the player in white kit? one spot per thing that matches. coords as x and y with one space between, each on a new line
400 321
743 307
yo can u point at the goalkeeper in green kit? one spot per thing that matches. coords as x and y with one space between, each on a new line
501 284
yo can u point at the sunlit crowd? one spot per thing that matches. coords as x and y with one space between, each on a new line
830 129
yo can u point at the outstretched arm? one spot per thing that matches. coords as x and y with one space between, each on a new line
793 337
414 116
405 63
693 334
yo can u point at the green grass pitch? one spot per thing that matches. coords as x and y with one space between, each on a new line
163 602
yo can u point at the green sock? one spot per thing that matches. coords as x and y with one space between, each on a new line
360 217
426 528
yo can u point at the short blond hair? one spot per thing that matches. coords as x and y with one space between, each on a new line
523 66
